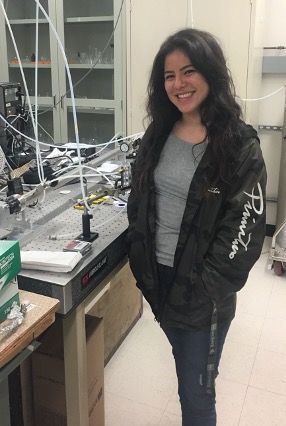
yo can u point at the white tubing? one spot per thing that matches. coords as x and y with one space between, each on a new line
103 144
21 67
72 99
38 152
264 97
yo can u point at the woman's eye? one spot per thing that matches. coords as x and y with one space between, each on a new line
190 71
169 77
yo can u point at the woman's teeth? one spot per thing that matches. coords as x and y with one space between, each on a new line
185 95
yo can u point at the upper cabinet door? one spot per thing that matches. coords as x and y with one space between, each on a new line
95 54
90 50
27 36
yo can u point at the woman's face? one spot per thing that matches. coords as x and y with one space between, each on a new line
185 87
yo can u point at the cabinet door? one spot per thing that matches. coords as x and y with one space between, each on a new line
96 69
22 18
96 62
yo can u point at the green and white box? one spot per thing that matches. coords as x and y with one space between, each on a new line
10 261
10 266
8 295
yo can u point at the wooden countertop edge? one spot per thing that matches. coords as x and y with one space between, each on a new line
33 330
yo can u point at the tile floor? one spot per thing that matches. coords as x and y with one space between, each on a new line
140 380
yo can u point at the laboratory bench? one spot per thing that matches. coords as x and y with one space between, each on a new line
101 284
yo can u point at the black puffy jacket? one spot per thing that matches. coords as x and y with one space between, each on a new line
220 239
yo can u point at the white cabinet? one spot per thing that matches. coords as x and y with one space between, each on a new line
96 62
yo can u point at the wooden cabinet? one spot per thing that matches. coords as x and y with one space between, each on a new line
120 307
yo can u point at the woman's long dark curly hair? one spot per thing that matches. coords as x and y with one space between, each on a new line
220 113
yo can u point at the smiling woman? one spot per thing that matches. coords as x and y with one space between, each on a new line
186 88
196 210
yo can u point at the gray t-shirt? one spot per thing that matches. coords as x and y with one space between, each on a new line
172 176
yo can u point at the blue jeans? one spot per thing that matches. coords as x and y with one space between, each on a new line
190 350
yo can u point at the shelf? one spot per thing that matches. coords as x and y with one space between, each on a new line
103 111
83 19
27 65
92 105
72 66
27 21
42 101
89 19
97 66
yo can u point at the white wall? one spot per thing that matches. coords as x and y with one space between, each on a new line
230 21
149 22
237 25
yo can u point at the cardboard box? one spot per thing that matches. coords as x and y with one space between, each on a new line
49 376
10 266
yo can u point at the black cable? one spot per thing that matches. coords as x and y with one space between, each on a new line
15 147
31 147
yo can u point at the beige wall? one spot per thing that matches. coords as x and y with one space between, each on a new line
150 21
223 18
239 25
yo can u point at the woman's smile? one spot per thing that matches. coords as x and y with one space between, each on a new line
185 87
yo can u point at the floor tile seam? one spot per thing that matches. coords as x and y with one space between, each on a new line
263 324
249 314
136 401
242 405
267 390
272 352
229 339
169 413
245 397
239 310
159 424
239 382
283 318
175 389
232 381
242 344
246 383
269 300
251 371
